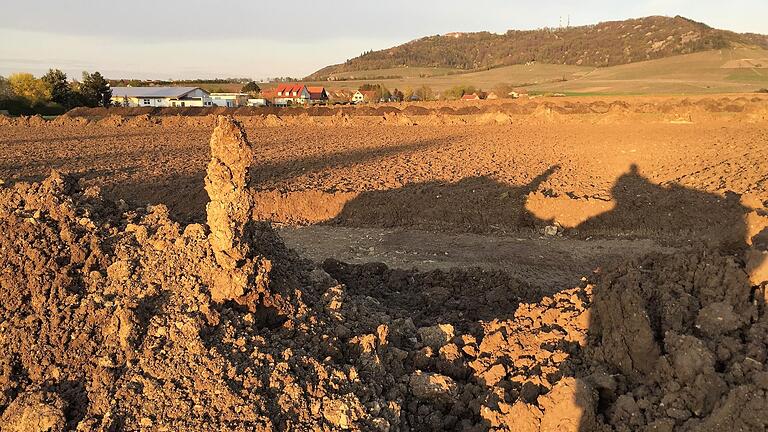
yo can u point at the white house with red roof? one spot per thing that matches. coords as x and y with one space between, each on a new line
299 94
291 94
364 96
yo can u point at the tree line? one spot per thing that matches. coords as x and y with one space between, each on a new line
53 93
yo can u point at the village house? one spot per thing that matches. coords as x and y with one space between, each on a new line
268 95
470 97
317 95
363 96
161 97
299 94
291 94
229 100
258 102
514 94
339 96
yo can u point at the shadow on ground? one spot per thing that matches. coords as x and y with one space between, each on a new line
185 197
474 204
674 341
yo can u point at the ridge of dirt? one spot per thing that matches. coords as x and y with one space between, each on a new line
745 108
121 319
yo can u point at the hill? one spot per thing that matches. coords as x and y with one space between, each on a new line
605 44
736 70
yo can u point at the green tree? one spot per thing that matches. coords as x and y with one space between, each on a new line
95 90
29 88
380 91
424 93
457 92
251 87
385 94
5 89
61 91
397 95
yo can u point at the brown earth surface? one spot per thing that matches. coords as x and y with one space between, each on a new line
600 274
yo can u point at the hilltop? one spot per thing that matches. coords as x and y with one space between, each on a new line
605 44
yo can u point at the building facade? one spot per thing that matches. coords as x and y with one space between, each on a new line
161 97
258 102
229 100
291 94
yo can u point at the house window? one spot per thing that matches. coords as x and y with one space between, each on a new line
182 104
146 101
173 103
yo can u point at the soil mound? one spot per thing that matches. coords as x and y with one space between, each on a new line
23 121
112 121
142 120
65 120
272 120
679 343
500 118
397 119
99 112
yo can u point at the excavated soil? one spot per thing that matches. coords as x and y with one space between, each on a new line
191 315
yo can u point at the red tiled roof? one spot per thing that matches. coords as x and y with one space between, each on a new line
290 88
470 97
317 93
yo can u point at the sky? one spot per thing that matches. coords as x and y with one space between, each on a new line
177 39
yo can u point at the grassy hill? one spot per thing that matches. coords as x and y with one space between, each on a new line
734 70
517 75
721 71
601 45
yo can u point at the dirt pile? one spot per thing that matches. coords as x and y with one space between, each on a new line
121 319
111 323
601 109
70 121
679 343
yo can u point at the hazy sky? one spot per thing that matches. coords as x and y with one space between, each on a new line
252 38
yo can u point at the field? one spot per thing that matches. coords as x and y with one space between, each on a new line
554 264
442 79
705 72
709 72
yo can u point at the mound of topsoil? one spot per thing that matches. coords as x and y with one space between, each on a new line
122 319
679 343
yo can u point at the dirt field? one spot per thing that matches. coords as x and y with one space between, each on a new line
572 264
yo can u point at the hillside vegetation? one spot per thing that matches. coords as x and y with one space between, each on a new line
605 44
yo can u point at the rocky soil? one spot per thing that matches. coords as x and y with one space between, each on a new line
119 318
